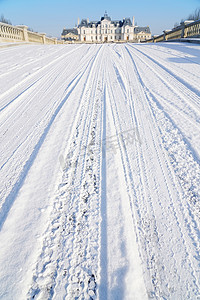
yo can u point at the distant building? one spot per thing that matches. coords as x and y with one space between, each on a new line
70 34
107 30
142 33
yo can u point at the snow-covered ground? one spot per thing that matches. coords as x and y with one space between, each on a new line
100 171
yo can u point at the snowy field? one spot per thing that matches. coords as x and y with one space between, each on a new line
100 172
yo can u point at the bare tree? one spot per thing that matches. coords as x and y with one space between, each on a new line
176 24
4 20
30 29
195 16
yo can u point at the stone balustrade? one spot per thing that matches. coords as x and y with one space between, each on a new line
174 34
186 29
193 31
10 33
35 38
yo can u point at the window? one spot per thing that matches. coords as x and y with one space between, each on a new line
127 30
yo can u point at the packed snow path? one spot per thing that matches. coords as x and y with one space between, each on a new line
100 172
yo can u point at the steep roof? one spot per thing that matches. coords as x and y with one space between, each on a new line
106 17
86 23
144 29
117 22
127 21
71 30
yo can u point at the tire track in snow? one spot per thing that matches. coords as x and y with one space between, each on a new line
178 86
134 204
84 275
148 229
37 116
125 278
166 126
6 205
191 76
182 117
158 290
103 256
180 108
70 261
32 62
180 220
71 214
14 90
187 100
189 154
183 110
44 82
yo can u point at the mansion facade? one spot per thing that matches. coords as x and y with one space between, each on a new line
107 30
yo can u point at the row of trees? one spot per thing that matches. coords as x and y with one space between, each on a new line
4 20
194 16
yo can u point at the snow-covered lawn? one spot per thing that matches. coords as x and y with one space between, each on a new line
100 171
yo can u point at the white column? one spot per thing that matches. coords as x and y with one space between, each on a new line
25 32
43 37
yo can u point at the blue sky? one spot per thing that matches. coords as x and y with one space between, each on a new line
51 16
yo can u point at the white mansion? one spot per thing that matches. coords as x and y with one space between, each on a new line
107 30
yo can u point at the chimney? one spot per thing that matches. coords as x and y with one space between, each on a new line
133 21
78 22
87 20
